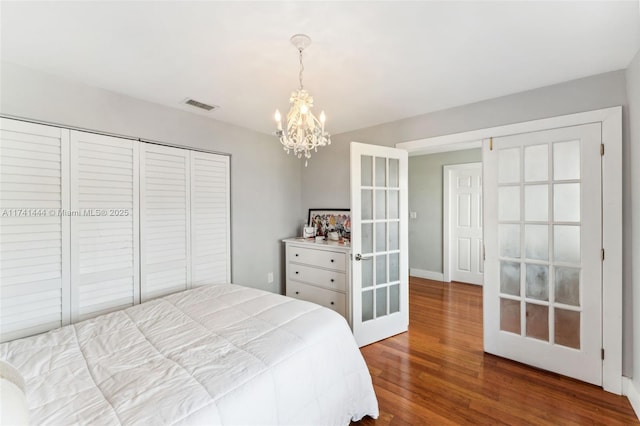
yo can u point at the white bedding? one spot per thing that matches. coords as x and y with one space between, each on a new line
222 354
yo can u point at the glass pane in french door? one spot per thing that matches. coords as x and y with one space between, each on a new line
380 231
539 242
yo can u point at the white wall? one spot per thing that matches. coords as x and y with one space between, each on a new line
633 94
425 198
265 182
326 181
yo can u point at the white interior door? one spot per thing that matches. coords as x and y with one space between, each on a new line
105 235
165 237
379 232
210 219
543 286
463 223
34 250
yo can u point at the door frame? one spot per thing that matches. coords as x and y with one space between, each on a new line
611 121
446 212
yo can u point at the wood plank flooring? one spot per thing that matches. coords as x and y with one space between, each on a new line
437 373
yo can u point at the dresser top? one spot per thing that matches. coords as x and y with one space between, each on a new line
325 245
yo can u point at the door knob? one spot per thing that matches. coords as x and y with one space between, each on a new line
361 257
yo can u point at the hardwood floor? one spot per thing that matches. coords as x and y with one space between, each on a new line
437 373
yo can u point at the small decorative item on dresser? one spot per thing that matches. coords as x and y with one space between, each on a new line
331 220
308 231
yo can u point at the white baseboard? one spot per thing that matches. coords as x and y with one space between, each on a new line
633 393
429 275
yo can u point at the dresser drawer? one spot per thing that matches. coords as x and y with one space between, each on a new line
327 298
331 280
319 258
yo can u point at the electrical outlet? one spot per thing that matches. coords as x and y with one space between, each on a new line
270 277
413 215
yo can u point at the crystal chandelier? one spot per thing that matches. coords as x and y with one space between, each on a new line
304 132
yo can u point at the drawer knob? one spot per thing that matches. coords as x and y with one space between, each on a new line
331 260
332 303
297 255
297 292
297 272
332 279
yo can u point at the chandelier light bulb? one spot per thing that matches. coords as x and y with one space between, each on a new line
278 118
304 109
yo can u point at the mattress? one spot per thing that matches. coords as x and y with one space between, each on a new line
219 354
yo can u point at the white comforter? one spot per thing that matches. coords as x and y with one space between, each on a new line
222 354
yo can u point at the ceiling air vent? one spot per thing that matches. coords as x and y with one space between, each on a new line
200 105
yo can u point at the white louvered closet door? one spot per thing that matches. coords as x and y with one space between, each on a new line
164 219
210 219
34 249
104 234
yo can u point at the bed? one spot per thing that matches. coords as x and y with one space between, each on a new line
218 354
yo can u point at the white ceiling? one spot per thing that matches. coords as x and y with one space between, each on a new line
369 63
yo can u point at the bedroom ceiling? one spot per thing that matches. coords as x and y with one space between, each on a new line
369 63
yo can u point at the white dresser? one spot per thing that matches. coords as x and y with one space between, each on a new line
320 272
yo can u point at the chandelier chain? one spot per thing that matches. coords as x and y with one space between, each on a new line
301 70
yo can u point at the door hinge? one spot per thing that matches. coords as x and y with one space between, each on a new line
602 254
601 149
602 353
491 144
484 253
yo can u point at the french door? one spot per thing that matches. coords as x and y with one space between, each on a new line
543 237
379 231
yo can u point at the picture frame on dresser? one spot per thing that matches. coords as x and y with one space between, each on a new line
330 220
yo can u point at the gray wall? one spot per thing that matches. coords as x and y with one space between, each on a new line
265 182
633 93
425 198
326 180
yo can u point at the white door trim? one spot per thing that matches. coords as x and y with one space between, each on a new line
446 210
611 120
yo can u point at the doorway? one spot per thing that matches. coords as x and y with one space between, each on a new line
427 212
610 120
